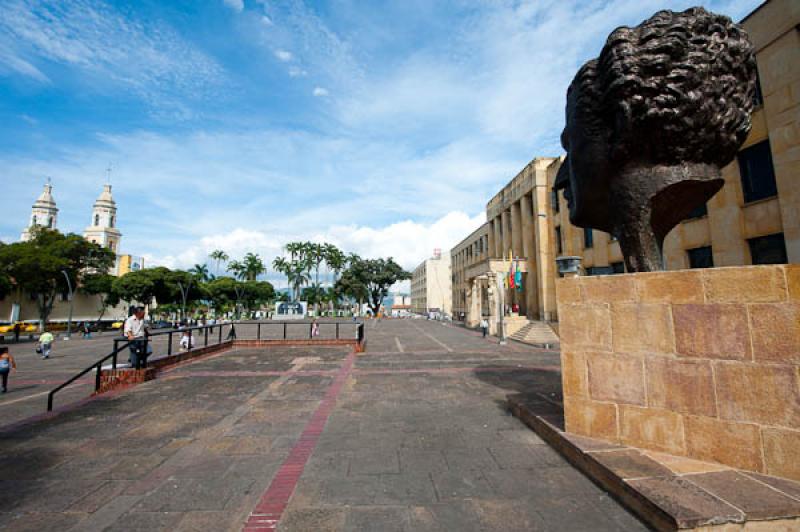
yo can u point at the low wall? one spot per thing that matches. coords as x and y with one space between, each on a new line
113 379
699 363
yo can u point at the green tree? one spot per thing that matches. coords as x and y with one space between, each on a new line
200 271
370 280
101 285
253 266
219 256
41 266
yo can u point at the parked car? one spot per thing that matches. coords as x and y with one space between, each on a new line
161 324
24 327
117 325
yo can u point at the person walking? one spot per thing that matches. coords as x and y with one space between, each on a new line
314 328
45 343
187 342
7 364
136 332
484 326
87 330
17 330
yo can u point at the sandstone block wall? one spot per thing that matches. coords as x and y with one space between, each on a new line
699 363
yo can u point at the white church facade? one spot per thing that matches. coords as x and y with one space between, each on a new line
102 230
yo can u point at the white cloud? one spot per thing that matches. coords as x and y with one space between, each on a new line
148 59
236 5
296 72
320 91
408 242
283 55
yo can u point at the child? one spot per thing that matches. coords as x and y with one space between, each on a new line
7 364
314 329
187 342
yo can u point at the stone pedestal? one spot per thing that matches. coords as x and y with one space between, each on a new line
698 363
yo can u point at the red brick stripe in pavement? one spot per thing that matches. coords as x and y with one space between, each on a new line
269 510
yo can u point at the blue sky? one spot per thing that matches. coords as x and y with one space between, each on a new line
381 126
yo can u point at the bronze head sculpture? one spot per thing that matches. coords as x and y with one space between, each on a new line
650 123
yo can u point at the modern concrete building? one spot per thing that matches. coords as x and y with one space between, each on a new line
430 285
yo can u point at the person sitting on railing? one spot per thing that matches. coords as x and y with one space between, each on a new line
187 342
136 332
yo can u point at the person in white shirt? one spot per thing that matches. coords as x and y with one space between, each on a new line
187 342
484 326
136 331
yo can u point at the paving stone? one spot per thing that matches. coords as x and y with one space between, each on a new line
146 522
406 489
40 522
375 462
531 457
789 487
416 461
378 519
755 499
317 519
460 485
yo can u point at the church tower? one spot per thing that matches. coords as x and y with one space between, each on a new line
103 229
43 212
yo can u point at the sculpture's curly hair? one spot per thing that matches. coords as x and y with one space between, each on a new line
678 87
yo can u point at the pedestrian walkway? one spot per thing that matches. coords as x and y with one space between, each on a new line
411 435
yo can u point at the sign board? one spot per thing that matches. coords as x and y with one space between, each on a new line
296 310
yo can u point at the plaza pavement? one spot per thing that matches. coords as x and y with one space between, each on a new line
411 435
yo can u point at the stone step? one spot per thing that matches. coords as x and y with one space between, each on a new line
536 333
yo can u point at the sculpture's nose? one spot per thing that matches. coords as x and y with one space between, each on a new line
562 177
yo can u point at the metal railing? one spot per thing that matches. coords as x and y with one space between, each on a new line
332 330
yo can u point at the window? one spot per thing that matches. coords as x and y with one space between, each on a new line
554 200
33 220
50 222
758 96
111 223
559 246
618 267
757 172
600 270
770 249
699 212
588 238
96 219
700 257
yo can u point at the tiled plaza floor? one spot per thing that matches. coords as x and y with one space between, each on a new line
412 435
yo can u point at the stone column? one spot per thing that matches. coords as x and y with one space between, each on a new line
516 230
497 251
474 313
506 217
491 245
545 247
529 250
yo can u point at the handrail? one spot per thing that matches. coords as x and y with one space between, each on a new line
97 365
360 333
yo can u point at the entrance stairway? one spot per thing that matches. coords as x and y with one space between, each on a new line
537 333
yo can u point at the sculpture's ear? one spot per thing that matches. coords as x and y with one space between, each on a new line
619 131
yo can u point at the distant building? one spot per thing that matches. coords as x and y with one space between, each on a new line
44 213
103 231
430 285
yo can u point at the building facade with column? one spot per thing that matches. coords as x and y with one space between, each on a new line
431 286
755 217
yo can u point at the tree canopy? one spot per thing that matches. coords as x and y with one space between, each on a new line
370 279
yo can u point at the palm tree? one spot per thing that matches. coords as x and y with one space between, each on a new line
295 249
201 272
316 256
335 260
253 266
297 275
219 256
237 269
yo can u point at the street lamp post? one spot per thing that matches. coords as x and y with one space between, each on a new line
69 318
